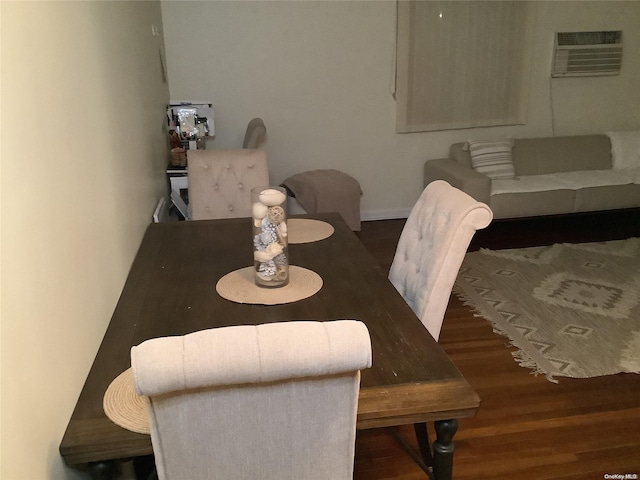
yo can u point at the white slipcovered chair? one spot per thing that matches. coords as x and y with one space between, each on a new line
271 402
220 181
431 249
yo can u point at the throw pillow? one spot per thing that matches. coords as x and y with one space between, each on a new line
625 149
492 158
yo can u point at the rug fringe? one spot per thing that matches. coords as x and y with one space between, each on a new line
520 356
525 361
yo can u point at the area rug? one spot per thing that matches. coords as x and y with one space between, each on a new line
572 310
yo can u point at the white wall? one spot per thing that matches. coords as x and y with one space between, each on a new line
319 74
83 157
593 104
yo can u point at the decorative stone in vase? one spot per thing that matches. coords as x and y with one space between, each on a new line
270 252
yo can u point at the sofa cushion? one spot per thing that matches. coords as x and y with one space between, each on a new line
565 192
562 180
460 153
537 156
532 204
492 158
634 173
610 197
625 149
526 184
593 178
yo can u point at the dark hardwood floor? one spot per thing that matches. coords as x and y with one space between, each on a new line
527 428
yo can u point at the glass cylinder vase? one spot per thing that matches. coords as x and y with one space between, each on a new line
270 252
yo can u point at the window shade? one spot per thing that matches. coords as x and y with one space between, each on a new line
461 64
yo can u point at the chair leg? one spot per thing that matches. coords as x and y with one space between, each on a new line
441 467
423 442
424 462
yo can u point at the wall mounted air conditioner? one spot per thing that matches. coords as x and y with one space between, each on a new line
581 54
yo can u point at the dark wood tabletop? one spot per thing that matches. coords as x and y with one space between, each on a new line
171 291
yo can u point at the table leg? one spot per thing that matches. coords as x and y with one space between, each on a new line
102 470
443 449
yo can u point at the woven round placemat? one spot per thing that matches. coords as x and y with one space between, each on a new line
124 406
305 230
239 286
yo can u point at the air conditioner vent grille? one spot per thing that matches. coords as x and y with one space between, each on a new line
589 38
587 54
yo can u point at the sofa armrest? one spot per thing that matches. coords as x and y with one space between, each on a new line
464 178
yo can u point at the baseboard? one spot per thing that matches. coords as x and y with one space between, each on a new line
370 215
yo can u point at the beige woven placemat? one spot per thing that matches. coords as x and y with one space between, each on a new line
239 286
304 230
124 406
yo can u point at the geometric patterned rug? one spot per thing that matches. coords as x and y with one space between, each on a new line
571 310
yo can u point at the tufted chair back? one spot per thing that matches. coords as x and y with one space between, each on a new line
220 182
432 247
271 402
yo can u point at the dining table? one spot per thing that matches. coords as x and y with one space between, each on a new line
171 291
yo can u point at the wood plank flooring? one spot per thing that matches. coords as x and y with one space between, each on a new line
527 428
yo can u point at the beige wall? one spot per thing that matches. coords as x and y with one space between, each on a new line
83 153
83 150
319 73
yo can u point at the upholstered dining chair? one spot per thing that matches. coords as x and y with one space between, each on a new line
220 181
274 401
255 135
431 249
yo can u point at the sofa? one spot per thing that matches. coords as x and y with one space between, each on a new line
545 176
